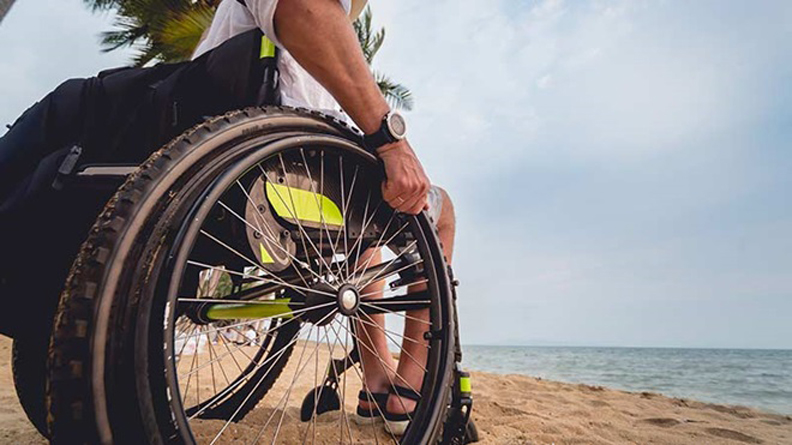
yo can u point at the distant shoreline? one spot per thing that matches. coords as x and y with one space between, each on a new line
759 378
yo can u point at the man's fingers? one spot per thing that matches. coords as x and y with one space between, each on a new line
392 191
412 205
417 207
406 194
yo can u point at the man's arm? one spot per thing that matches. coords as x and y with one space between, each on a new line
319 36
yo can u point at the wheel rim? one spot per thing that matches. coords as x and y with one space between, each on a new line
318 268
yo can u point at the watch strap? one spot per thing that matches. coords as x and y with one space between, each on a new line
379 138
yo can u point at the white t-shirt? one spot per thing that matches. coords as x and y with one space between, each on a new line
297 87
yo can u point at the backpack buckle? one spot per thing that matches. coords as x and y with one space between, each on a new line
67 167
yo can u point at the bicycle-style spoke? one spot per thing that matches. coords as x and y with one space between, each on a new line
192 366
274 359
346 219
241 405
343 395
222 338
184 345
391 289
273 237
397 344
312 427
263 377
295 261
380 276
287 394
408 317
223 301
318 394
343 233
303 233
358 244
365 265
278 280
384 366
209 345
365 388
404 337
297 288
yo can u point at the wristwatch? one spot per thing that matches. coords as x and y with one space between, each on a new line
392 129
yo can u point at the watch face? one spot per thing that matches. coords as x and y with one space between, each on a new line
397 125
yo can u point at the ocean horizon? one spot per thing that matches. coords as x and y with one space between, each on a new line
757 378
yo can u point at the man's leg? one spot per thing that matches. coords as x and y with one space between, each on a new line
379 367
380 370
412 361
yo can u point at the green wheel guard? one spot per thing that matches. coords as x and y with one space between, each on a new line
241 311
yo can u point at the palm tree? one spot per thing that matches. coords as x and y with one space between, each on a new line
5 6
169 31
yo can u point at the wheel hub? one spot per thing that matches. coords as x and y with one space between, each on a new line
348 299
347 302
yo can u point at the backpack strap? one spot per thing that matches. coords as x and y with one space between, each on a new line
268 58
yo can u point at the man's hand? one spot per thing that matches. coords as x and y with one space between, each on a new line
406 184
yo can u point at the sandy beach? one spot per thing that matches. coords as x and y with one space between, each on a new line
515 409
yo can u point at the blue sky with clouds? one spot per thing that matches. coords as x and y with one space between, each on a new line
621 169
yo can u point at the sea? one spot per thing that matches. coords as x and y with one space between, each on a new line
750 377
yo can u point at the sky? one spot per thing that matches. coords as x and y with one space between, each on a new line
621 170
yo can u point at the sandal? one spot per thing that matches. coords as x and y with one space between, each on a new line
397 423
366 416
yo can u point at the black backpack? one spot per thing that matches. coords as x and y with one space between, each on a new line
120 117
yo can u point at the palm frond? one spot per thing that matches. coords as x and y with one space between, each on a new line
370 42
127 35
397 95
146 55
100 5
184 31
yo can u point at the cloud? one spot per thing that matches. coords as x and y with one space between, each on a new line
606 155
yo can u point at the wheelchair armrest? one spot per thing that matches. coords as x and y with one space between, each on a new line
103 175
94 176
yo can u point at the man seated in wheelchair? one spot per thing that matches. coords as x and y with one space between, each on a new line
310 58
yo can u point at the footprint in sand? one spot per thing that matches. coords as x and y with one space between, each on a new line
731 434
598 403
508 410
664 422
736 411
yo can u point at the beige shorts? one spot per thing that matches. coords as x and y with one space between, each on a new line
435 199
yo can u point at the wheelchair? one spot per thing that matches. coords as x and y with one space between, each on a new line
219 296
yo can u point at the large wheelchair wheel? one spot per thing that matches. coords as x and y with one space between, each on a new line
223 282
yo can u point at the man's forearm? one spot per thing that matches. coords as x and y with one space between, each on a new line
318 35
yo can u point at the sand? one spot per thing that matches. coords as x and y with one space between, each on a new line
14 426
510 409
